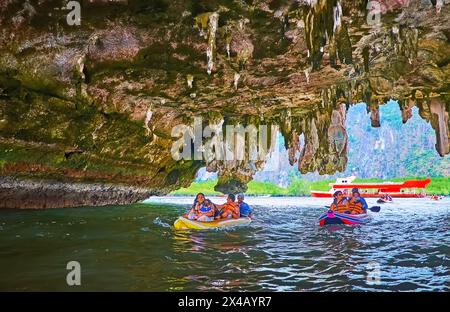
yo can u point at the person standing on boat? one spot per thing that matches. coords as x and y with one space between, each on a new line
357 204
340 203
244 208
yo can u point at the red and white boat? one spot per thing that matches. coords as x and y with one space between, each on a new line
406 189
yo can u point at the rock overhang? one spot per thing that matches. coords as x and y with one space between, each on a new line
115 86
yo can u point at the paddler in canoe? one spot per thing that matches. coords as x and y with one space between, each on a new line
244 208
356 203
202 210
340 203
343 210
205 211
228 210
352 205
205 215
198 202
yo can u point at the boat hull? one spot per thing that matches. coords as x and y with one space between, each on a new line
185 224
393 195
334 218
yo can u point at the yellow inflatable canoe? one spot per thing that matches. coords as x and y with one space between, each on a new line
185 224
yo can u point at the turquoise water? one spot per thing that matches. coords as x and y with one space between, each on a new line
133 248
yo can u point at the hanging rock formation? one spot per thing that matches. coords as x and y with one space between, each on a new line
88 110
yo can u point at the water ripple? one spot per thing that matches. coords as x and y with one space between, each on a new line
405 247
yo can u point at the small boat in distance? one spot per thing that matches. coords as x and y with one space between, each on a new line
406 189
385 198
436 197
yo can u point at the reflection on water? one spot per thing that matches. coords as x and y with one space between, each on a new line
135 248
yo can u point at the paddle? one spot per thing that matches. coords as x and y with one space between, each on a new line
373 208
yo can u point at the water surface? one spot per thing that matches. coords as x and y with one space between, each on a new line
134 248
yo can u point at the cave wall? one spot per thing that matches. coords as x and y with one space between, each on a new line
96 103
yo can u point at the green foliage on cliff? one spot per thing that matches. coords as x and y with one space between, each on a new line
299 187
254 188
205 187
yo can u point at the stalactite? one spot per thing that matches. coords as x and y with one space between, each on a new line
324 24
306 162
236 80
438 114
406 109
375 115
189 80
294 148
207 24
211 50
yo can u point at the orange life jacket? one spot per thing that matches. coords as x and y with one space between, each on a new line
233 207
340 207
356 207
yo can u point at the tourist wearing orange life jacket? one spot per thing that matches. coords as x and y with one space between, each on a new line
198 202
356 203
340 203
229 210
